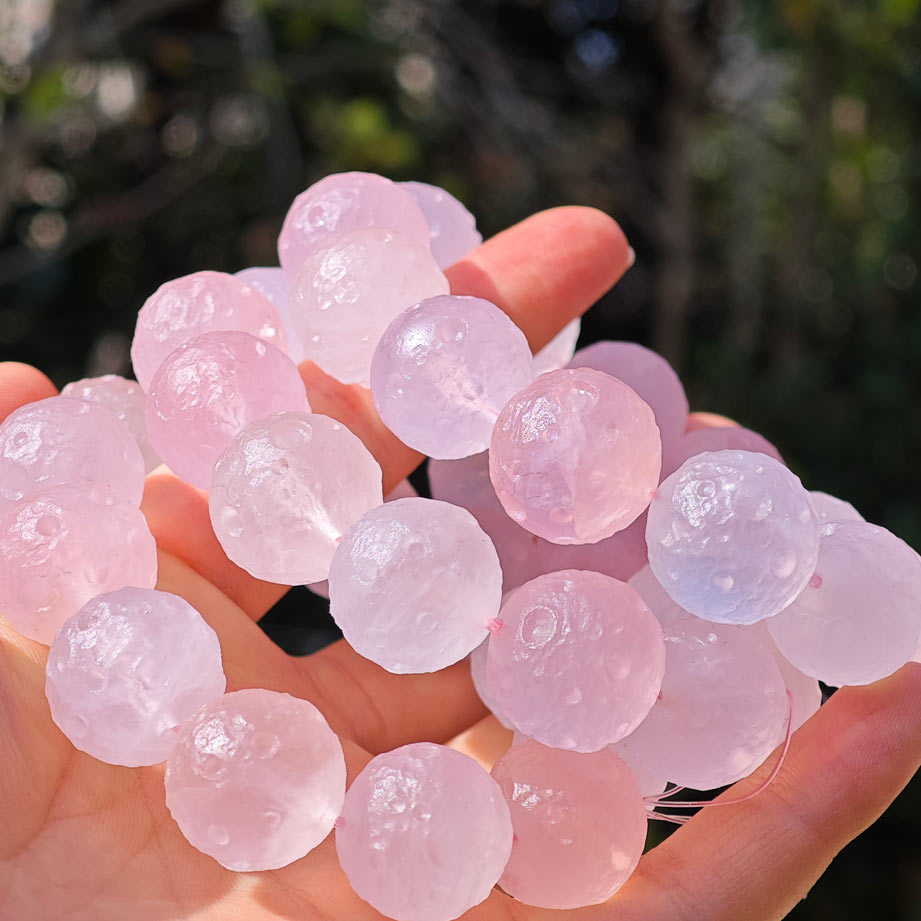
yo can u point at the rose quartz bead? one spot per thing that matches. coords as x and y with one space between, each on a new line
579 823
558 352
63 546
414 584
350 288
805 690
342 202
524 555
705 440
649 777
859 618
578 661
195 304
124 398
275 284
424 834
210 388
478 659
732 536
832 510
575 456
723 707
649 374
403 490
61 441
256 779
452 226
127 669
286 491
442 371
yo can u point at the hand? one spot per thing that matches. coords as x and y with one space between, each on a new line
86 841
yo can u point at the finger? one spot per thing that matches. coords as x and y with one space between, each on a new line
543 272
21 384
758 859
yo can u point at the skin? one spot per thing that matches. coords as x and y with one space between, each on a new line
84 840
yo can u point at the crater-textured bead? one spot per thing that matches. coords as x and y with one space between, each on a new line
723 707
256 779
193 305
442 371
712 438
832 510
578 662
575 456
124 398
558 352
127 669
286 491
276 285
343 202
61 441
579 823
425 833
859 618
649 374
452 226
60 548
414 584
208 390
732 536
478 675
349 290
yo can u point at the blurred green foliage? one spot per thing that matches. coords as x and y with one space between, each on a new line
764 159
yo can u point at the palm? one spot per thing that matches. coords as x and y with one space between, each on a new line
84 840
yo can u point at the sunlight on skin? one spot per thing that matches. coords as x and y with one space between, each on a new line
85 841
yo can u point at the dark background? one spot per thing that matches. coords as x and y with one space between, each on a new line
763 158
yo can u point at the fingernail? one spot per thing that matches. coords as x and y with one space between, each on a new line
631 256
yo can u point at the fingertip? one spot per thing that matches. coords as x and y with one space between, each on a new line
709 421
20 384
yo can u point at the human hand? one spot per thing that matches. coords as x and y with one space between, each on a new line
85 841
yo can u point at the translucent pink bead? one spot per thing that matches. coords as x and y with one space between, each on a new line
465 482
414 584
579 823
124 398
425 833
127 669
275 284
286 491
575 456
859 618
452 226
524 555
195 304
342 202
63 546
732 536
256 779
558 352
578 661
350 288
478 675
61 441
649 777
210 388
442 371
649 374
702 441
831 510
805 691
403 490
723 707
